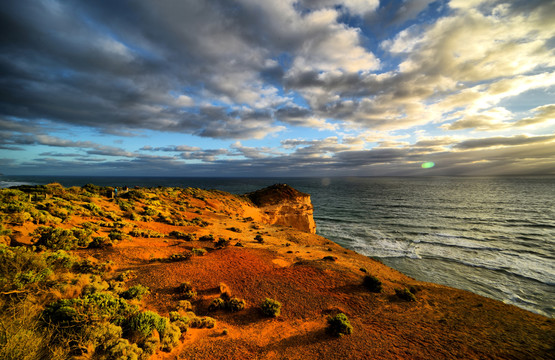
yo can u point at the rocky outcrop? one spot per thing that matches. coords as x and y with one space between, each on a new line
282 205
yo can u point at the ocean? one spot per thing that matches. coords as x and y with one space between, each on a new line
494 236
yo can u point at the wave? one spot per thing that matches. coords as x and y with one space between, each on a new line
467 251
8 183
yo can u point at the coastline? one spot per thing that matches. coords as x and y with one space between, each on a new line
310 275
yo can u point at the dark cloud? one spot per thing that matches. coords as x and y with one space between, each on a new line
503 141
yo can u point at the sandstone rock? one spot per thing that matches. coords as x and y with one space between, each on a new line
280 204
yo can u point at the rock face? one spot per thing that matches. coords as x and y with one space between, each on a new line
282 205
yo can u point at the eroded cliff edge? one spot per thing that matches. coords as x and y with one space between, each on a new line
280 204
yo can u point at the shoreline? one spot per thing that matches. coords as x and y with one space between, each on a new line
311 276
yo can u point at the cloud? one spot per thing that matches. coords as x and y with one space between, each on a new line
390 80
172 148
503 141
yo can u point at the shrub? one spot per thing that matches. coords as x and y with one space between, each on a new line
187 290
55 238
90 226
235 304
20 268
202 322
179 257
103 336
116 235
208 237
83 236
234 229
271 308
60 259
99 242
216 304
141 325
259 238
126 275
94 209
221 243
183 327
182 235
405 294
198 252
87 266
75 314
124 350
372 283
150 211
199 222
184 306
171 337
339 325
135 292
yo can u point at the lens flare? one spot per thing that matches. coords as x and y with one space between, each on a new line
428 165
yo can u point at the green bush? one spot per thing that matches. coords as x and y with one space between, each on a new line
124 350
221 243
216 304
183 327
271 307
187 290
74 314
135 292
372 283
88 266
21 268
60 259
208 237
94 209
83 236
339 325
55 238
235 304
178 316
126 275
234 229
259 238
202 322
184 306
141 325
183 236
99 242
405 294
179 257
198 252
116 235
171 337
148 211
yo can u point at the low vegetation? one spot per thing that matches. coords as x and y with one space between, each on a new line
339 325
405 294
372 283
271 308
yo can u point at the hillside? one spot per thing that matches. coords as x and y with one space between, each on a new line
82 269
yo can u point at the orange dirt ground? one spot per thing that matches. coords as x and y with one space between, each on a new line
443 323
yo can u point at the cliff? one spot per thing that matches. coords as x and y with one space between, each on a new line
154 248
280 204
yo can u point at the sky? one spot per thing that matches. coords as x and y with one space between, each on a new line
277 87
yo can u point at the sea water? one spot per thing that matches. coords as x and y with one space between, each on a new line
494 236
